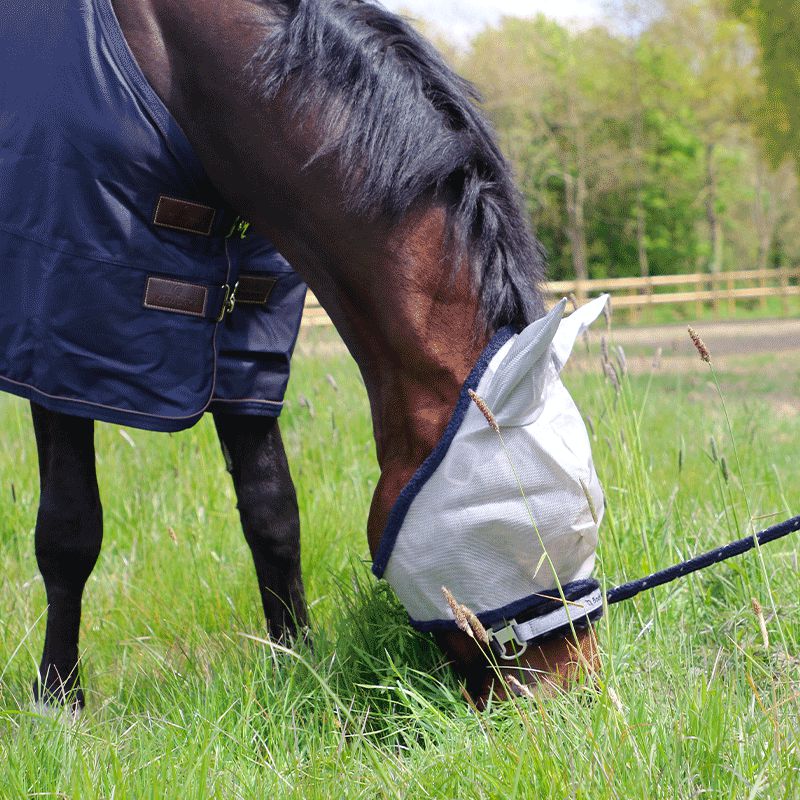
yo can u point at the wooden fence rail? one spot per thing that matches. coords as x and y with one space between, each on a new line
636 294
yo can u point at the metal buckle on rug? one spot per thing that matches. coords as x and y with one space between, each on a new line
228 301
500 637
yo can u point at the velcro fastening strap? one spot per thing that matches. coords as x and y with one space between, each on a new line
520 634
254 289
184 215
572 611
182 297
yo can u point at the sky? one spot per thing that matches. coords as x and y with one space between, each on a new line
460 19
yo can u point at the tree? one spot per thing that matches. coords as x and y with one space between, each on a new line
633 143
547 91
776 24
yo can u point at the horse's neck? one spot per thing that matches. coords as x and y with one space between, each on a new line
411 325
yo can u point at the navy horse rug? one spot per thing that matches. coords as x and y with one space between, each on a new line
129 291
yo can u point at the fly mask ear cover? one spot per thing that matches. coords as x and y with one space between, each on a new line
462 521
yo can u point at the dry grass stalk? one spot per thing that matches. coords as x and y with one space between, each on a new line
519 689
588 496
657 358
485 410
615 701
762 623
699 345
604 349
172 534
458 613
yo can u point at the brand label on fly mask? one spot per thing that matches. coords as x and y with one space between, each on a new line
467 525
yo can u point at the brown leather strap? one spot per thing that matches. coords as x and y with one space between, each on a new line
184 215
254 289
182 297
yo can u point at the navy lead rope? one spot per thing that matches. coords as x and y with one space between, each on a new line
628 590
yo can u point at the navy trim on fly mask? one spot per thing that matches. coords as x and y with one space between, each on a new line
399 510
535 605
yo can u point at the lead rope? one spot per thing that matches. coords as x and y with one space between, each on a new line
511 639
628 590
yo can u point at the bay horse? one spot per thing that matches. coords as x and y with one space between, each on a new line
340 134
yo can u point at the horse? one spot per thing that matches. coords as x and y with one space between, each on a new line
341 135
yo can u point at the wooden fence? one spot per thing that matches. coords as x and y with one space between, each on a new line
638 294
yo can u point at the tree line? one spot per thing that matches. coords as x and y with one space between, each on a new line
659 143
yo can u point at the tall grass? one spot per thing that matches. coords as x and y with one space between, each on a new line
187 700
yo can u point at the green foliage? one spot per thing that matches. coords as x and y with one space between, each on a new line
637 145
776 24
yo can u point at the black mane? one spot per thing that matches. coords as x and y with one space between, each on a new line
404 126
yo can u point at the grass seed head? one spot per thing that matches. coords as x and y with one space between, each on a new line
657 358
699 345
622 361
573 301
607 313
485 410
611 373
762 623
604 349
476 625
304 402
458 612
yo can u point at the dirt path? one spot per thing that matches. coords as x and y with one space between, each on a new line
722 338
754 357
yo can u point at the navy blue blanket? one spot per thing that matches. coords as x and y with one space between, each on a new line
103 204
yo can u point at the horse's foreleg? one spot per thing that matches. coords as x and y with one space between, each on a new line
267 504
69 531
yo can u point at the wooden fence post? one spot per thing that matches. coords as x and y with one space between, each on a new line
714 293
783 277
698 303
636 294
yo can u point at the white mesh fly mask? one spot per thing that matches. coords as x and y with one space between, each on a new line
462 522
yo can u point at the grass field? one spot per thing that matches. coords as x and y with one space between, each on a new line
181 703
742 310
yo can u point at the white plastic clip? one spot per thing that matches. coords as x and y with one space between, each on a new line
500 637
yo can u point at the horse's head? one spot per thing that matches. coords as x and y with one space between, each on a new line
340 133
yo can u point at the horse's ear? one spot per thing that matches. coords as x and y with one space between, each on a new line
535 359
515 388
573 326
